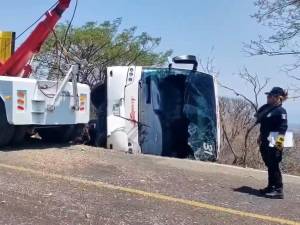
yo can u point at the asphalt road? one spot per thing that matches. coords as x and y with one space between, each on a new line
82 185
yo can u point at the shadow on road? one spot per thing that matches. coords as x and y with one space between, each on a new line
248 190
34 144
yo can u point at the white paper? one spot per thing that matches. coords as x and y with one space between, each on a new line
288 139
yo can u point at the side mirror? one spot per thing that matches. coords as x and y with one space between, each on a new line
186 59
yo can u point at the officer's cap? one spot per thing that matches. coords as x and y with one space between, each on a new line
276 91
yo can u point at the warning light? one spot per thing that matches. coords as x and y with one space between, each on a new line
21 100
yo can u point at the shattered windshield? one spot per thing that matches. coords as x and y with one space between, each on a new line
178 108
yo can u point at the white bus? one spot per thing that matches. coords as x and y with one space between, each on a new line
160 111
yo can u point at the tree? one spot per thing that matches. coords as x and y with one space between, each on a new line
100 45
283 17
237 119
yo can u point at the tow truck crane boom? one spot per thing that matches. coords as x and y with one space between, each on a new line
56 110
17 65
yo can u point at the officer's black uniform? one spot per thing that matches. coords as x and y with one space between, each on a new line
272 119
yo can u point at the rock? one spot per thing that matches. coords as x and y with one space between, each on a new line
48 195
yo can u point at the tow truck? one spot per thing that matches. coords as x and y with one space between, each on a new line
54 109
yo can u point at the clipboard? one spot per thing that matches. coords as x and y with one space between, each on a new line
288 139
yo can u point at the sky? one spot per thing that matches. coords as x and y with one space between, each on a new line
206 28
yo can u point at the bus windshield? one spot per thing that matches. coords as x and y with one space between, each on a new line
179 111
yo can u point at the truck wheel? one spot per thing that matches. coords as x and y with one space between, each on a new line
7 130
80 134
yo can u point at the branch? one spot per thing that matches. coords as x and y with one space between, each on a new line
294 77
239 94
294 97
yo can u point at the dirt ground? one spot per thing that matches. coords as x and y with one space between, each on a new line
85 185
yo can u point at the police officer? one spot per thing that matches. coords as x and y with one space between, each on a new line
273 118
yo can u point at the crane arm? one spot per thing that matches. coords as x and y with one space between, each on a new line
17 64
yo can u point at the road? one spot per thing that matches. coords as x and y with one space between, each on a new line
83 185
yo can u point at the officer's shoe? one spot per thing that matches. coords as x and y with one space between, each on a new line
266 190
277 193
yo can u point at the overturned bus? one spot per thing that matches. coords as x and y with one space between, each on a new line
160 111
